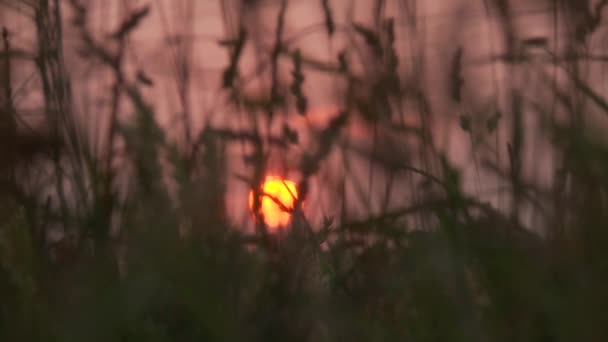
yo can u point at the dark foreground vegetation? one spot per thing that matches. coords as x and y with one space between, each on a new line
78 262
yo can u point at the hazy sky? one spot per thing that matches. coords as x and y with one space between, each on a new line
432 32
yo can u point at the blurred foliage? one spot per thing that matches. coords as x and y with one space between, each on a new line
448 268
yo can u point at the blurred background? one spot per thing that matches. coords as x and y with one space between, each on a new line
448 157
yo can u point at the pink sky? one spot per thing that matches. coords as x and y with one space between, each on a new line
443 25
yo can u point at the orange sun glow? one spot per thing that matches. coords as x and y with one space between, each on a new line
282 190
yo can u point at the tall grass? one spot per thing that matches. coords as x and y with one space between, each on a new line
85 256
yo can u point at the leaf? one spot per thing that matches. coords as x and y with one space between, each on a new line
538 42
131 23
343 61
493 122
227 42
456 80
143 78
290 134
465 123
310 162
302 105
371 38
298 80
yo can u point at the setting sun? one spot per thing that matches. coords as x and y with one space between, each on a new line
282 190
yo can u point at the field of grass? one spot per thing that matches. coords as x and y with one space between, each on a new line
84 257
